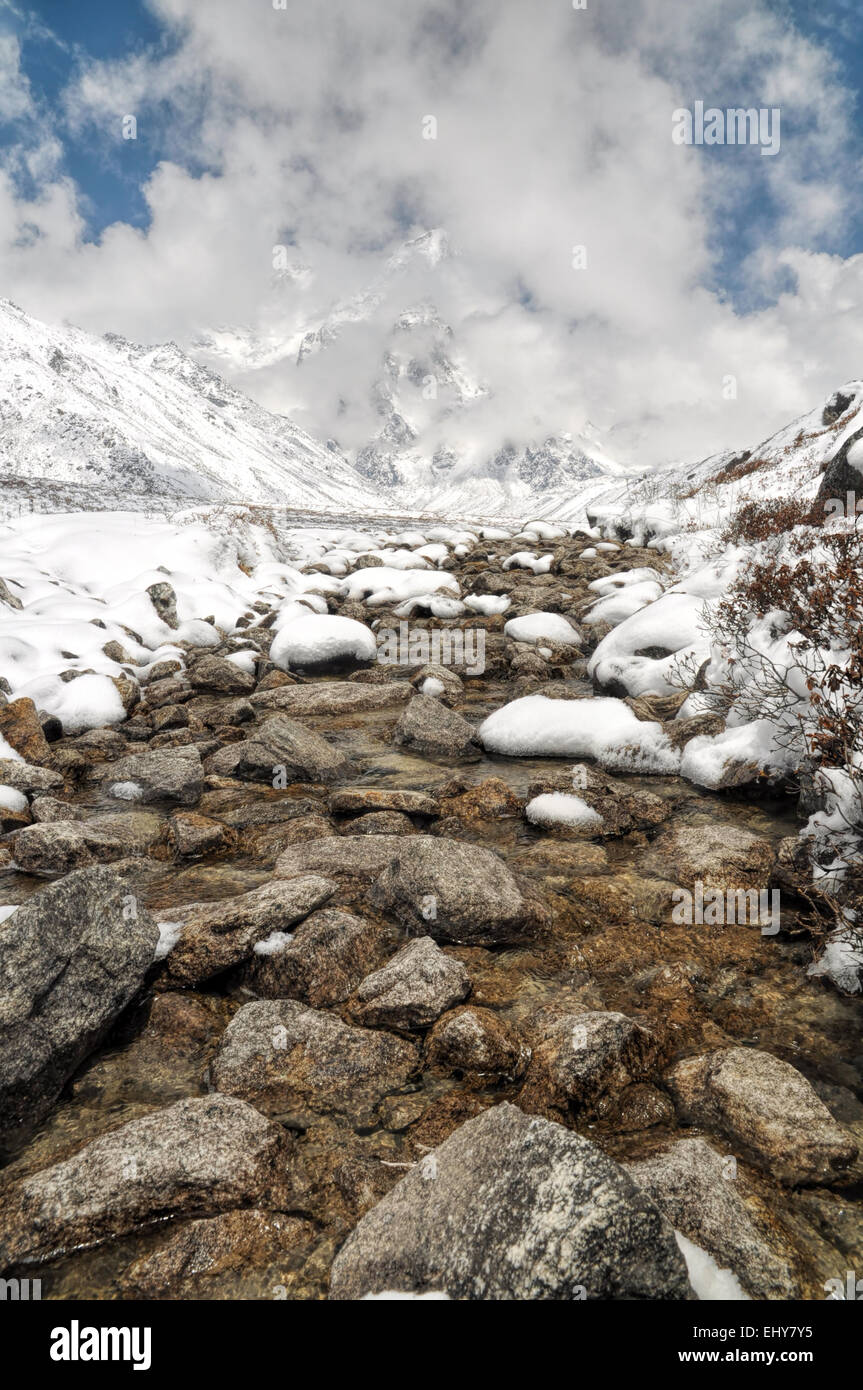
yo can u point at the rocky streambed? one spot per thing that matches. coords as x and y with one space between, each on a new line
295 1001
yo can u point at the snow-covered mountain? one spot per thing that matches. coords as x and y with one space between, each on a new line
124 419
383 370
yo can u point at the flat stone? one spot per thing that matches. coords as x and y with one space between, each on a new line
196 1158
175 776
511 1207
191 1258
25 777
719 856
53 848
358 800
333 697
767 1110
285 1058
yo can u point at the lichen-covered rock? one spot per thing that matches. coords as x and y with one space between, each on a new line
218 935
456 892
321 961
285 1058
477 1042
413 989
71 959
196 1157
767 1110
512 1207
699 1191
51 848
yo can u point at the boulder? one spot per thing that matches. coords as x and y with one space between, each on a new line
285 1058
218 935
219 674
413 989
194 1158
456 892
511 1207
21 727
280 747
582 1056
477 1042
427 726
698 1190
175 776
55 847
71 959
379 823
25 777
321 962
767 1110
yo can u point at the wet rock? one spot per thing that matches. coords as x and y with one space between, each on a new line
196 1157
766 1109
413 989
320 963
285 1058
53 848
21 727
217 935
218 674
564 859
333 697
622 810
624 897
582 1056
720 856
118 834
379 823
348 800
27 778
191 1257
456 892
281 747
440 683
506 1182
341 856
477 1042
639 1106
158 776
191 835
71 959
48 808
699 1191
491 799
427 726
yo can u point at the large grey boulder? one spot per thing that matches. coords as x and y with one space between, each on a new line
197 1157
217 935
71 959
698 1189
285 1058
456 892
413 989
280 747
767 1110
513 1207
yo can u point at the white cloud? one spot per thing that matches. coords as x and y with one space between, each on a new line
554 129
